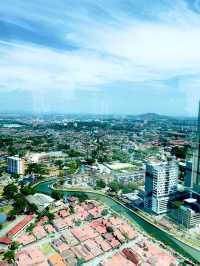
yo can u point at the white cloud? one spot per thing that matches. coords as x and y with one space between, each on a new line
43 68
128 49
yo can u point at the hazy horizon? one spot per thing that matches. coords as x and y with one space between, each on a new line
102 57
19 113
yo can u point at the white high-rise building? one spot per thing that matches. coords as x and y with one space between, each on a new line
15 165
161 182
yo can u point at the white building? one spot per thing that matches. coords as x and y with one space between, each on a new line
15 165
130 176
42 201
161 182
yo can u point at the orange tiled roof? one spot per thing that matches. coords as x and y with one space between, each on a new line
20 225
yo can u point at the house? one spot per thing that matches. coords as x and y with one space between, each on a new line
5 240
39 232
69 257
105 246
30 256
93 247
25 239
56 260
132 256
117 260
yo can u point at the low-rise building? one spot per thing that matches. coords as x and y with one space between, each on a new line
188 217
20 226
186 212
42 201
128 176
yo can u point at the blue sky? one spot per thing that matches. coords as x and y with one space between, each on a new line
102 56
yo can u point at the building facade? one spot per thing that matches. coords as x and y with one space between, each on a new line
188 175
135 176
186 212
196 159
15 165
161 181
188 217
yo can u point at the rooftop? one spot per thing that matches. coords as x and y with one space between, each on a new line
119 166
190 200
40 200
20 225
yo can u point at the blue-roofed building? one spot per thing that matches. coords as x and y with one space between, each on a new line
3 218
27 180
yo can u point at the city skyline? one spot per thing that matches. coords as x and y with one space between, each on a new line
120 57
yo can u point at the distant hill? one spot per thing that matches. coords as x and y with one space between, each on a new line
152 116
155 116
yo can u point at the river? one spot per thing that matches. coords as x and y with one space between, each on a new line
180 247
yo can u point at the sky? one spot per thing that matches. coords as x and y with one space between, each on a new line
100 56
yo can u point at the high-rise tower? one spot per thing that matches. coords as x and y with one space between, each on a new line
161 182
196 159
15 165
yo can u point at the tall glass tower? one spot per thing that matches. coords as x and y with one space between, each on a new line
196 159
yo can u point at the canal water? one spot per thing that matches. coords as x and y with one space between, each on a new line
180 247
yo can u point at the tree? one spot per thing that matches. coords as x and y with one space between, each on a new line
32 208
100 183
22 152
11 215
37 168
121 156
89 218
50 215
27 190
82 197
21 204
74 153
104 212
109 229
47 213
10 190
90 161
30 228
183 263
115 186
61 173
14 245
80 261
71 210
12 150
9 256
63 147
179 151
15 176
73 166
59 163
78 222
177 204
57 195
129 188
104 158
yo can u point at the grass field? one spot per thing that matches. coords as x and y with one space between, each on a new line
6 209
1 191
47 249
